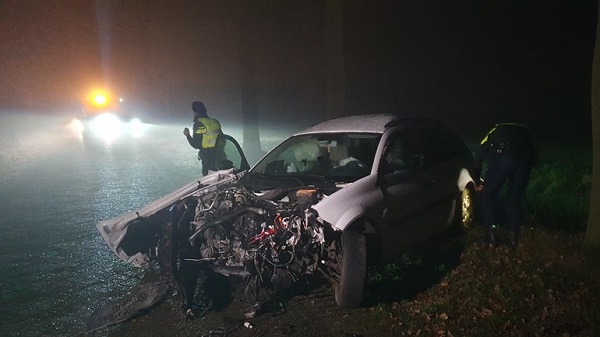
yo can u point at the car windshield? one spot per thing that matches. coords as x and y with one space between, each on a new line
342 157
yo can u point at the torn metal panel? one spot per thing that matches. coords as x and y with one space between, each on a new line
114 230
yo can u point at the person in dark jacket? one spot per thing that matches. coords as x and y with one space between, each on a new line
205 137
508 154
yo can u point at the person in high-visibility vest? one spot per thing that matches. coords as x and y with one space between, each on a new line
206 132
509 153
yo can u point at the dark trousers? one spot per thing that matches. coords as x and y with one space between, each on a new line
514 172
211 159
208 159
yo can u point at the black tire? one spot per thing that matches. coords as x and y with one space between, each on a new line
465 210
350 290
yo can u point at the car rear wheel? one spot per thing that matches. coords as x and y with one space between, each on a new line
466 209
349 291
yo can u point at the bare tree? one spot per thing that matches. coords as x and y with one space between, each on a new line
592 236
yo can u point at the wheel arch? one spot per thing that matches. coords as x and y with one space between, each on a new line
370 229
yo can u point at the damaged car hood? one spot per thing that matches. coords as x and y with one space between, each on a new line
138 224
114 230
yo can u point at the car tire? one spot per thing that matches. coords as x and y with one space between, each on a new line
349 291
465 209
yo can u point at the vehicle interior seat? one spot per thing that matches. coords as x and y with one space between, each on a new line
338 153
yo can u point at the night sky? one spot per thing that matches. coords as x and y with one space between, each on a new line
469 63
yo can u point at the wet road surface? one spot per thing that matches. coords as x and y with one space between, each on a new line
54 267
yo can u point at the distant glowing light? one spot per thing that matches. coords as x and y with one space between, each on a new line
107 126
100 99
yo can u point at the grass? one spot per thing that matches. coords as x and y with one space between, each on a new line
547 287
559 189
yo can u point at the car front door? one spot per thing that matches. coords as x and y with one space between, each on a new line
229 154
407 189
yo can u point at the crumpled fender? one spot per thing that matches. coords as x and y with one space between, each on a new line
113 230
355 200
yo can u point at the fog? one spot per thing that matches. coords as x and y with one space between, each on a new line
287 64
469 64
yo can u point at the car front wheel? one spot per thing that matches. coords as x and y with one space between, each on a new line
349 291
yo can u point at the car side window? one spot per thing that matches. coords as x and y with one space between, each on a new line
403 152
229 154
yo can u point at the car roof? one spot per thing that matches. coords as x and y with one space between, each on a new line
376 123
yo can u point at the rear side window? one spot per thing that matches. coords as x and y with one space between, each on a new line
442 145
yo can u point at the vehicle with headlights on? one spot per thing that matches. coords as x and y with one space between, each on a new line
331 199
104 118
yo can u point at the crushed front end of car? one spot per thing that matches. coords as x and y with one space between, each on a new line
268 239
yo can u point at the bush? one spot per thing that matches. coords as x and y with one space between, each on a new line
558 193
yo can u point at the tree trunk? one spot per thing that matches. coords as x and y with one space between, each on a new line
592 236
335 59
251 136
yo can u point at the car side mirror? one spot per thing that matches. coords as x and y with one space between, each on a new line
394 177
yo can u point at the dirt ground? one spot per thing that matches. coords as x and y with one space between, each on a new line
308 312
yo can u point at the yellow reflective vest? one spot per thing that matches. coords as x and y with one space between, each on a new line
210 131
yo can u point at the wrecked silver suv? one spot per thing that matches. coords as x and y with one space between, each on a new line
329 199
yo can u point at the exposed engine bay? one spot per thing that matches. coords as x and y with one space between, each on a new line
242 233
233 227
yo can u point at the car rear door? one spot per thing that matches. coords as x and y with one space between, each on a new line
444 159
